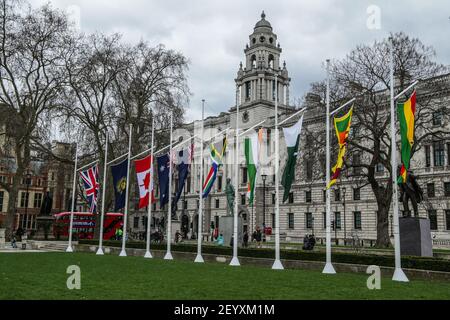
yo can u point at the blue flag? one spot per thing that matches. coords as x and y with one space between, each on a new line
119 173
183 171
163 177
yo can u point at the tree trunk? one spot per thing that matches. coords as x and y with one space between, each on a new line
383 238
12 200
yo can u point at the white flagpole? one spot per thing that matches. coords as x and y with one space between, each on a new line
168 255
123 253
399 275
277 265
235 260
199 257
148 254
102 219
329 269
69 247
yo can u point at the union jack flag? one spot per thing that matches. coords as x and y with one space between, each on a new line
91 186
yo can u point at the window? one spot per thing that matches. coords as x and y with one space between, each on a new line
324 219
438 149
37 200
427 157
430 190
244 176
337 195
357 161
290 220
324 195
243 196
2 195
447 219
433 219
273 198
273 220
357 194
379 168
337 219
248 90
437 118
447 189
308 197
217 203
219 183
271 59
144 221
308 220
309 170
216 220
24 196
188 185
136 222
273 90
291 197
185 204
357 220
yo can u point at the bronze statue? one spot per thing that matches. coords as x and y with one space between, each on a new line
230 197
410 190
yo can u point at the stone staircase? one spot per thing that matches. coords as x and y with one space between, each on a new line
50 245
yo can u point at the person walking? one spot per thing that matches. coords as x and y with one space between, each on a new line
245 239
258 237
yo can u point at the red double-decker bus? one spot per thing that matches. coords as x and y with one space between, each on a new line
84 225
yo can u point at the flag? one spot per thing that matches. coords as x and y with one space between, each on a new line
119 173
292 138
252 148
342 126
217 153
183 161
406 112
143 167
163 177
90 186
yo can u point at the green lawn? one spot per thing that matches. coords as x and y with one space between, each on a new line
43 276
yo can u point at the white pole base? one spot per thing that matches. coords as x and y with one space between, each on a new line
399 275
199 259
69 249
329 269
277 265
123 253
235 262
148 255
168 256
100 252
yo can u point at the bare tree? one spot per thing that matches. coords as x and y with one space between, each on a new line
32 43
365 73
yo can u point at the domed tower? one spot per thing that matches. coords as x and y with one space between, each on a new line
255 82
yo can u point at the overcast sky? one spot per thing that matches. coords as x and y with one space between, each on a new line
213 34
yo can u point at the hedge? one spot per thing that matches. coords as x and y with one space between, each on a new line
422 263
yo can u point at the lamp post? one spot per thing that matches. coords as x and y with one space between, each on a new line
264 177
344 191
392 231
27 182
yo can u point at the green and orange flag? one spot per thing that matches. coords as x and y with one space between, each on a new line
406 112
342 126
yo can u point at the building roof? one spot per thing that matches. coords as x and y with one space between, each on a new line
263 23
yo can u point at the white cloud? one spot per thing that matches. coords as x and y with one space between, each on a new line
213 34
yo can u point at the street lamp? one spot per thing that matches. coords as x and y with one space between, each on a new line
264 177
344 191
27 182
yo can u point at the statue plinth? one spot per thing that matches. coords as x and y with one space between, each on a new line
415 237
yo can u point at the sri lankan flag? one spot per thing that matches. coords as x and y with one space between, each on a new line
217 153
342 126
406 112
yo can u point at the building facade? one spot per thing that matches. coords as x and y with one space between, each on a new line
354 208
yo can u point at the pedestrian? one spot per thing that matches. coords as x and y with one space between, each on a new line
220 240
245 239
258 237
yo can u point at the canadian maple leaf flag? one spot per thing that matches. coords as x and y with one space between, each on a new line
143 180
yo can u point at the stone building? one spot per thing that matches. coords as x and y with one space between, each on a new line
354 209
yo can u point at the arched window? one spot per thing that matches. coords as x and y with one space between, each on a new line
253 60
271 61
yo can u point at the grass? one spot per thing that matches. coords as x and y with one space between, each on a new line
43 276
